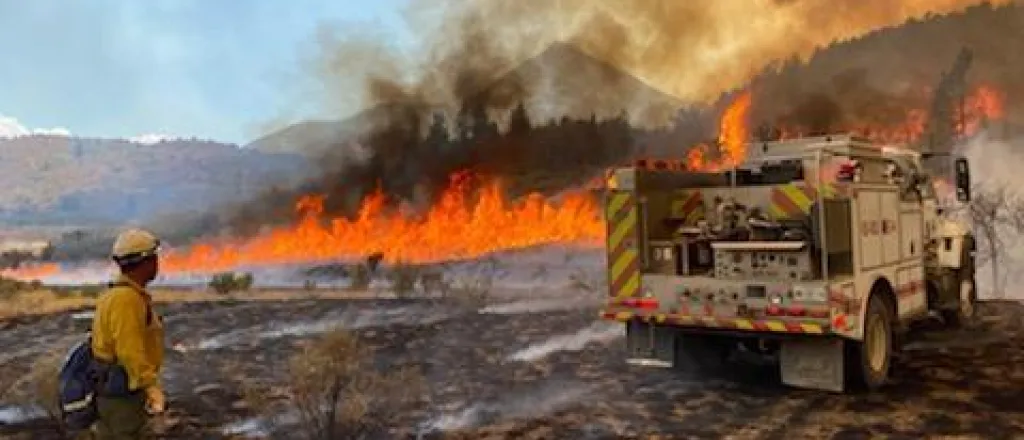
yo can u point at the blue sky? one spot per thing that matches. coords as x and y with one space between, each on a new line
219 69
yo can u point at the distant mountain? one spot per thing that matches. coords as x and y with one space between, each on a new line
69 180
564 81
560 81
313 138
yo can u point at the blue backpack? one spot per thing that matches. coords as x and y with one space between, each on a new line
79 381
83 377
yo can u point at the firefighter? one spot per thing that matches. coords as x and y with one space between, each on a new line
128 341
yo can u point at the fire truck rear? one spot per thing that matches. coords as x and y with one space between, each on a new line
819 252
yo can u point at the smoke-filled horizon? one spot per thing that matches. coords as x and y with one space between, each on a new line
693 51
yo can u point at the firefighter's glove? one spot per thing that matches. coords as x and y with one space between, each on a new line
156 402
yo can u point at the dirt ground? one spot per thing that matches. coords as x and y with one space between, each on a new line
545 368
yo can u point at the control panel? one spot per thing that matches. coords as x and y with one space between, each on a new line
778 264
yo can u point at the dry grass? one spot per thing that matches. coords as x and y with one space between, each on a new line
47 301
42 302
582 281
474 289
334 391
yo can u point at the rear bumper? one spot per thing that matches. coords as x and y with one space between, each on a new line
786 325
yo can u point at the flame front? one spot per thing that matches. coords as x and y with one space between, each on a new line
984 103
456 227
31 271
466 224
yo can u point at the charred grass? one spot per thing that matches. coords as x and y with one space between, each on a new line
307 386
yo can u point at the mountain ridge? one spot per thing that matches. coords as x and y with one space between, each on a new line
58 179
596 88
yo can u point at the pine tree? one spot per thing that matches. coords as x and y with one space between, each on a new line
519 121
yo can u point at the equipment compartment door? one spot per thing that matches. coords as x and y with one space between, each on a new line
622 215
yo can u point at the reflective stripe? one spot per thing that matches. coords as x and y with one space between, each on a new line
795 199
811 328
623 256
775 326
687 206
79 405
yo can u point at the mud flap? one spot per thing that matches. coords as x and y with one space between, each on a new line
649 345
813 363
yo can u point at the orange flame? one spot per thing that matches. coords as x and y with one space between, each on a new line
984 103
455 227
29 272
733 134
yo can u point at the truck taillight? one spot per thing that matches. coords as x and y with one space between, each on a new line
641 303
796 311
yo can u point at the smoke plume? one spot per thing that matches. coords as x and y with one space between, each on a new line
465 100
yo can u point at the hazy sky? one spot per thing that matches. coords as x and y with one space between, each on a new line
209 68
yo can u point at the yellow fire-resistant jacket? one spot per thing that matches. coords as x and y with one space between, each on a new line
121 334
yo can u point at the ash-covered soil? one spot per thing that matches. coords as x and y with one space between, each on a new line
546 368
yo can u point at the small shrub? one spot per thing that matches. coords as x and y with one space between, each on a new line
228 282
222 283
471 293
434 281
245 281
373 261
309 285
404 279
474 291
360 277
337 392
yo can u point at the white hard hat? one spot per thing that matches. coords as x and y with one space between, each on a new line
133 245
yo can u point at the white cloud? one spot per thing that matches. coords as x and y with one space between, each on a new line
11 128
151 138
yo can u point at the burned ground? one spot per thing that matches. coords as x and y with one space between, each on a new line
543 368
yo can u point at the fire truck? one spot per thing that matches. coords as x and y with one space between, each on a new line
818 252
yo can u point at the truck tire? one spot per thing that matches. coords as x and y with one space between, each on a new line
966 309
701 354
967 297
868 361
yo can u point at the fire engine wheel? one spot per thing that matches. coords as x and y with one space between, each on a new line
869 360
966 310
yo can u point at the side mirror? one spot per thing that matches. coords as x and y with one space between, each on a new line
963 181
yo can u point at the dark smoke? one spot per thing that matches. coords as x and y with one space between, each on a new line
877 79
471 113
